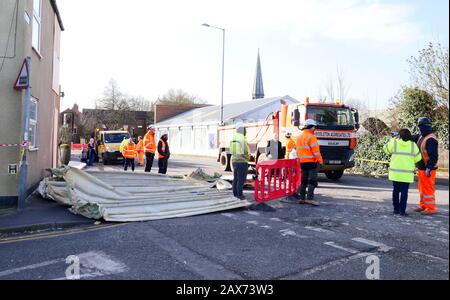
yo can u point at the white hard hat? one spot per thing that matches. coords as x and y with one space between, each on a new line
151 127
310 123
239 124
288 131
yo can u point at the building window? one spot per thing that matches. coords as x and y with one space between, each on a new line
37 13
32 122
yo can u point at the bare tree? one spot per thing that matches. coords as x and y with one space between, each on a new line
430 72
179 97
358 104
113 98
335 88
341 87
140 104
329 87
321 98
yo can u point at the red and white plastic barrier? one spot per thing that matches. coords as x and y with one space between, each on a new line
277 179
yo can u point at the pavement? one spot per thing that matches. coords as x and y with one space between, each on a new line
43 215
352 232
40 214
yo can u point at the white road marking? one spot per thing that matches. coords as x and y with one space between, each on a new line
228 215
431 256
381 247
31 267
349 250
286 232
325 266
253 213
442 240
92 264
252 222
266 227
275 219
97 264
318 229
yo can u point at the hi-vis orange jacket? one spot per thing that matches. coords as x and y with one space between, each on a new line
290 146
149 142
129 151
308 149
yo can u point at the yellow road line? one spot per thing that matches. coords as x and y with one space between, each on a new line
43 236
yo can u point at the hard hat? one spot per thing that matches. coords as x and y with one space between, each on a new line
239 124
424 121
151 127
310 123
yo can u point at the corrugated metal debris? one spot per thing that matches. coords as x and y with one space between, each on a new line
128 197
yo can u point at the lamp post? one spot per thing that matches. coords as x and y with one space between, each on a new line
223 68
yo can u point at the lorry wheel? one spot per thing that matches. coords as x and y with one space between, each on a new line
334 175
225 161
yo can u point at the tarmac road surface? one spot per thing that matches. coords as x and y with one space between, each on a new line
347 237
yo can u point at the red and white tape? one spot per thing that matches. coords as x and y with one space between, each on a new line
24 144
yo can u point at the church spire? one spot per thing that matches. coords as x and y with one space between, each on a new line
258 87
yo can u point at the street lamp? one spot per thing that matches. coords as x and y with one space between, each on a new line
223 68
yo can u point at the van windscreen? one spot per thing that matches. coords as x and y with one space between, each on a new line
115 138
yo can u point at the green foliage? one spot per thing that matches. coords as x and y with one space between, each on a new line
441 129
430 71
371 147
412 104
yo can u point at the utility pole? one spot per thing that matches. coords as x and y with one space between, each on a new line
23 171
223 69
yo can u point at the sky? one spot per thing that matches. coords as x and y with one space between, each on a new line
150 46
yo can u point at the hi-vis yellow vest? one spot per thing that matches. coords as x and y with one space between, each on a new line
404 157
239 148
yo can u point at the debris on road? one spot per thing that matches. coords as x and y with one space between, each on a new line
199 174
129 197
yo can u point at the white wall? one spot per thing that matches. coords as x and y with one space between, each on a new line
198 140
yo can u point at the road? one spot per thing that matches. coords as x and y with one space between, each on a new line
345 238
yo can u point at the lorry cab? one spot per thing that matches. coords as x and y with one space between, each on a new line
336 129
108 145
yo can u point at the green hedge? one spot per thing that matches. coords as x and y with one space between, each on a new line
371 147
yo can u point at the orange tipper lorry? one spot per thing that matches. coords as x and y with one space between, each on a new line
337 125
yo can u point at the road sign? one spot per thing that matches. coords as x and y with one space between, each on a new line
23 80
12 169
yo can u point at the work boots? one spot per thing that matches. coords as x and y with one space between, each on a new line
310 196
419 209
302 194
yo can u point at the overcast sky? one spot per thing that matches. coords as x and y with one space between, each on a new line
151 46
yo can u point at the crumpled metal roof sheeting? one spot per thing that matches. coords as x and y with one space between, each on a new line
127 197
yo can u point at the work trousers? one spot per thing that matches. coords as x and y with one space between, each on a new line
91 158
427 191
309 181
149 157
129 162
400 197
162 164
240 171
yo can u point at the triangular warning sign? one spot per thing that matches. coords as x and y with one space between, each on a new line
23 80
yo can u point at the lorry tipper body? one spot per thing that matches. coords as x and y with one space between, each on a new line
336 129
